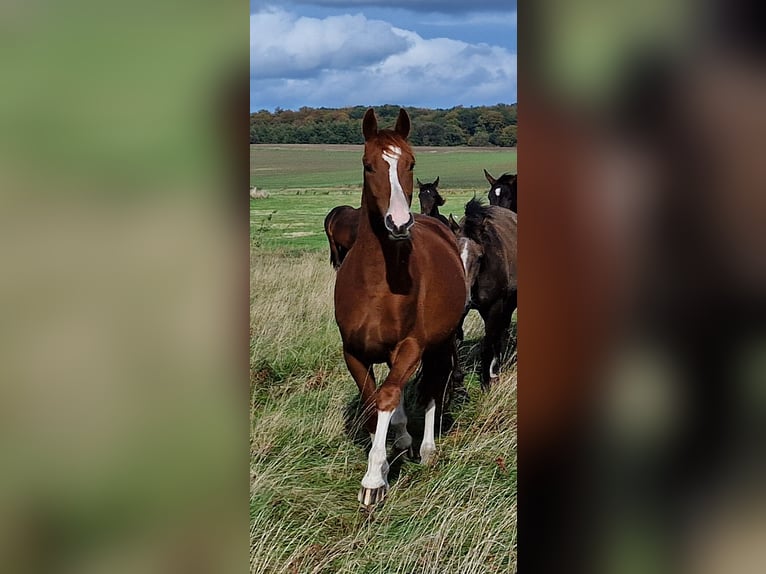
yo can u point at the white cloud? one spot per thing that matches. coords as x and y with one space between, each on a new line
284 45
350 60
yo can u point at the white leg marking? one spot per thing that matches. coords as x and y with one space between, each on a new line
428 446
494 367
377 465
398 208
403 439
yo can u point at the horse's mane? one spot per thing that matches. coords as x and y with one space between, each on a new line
390 137
481 224
475 214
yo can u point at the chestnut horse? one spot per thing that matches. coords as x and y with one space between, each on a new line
340 227
399 296
502 191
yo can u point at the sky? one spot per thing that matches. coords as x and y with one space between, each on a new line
422 53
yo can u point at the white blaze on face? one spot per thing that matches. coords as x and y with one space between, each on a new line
464 253
497 191
398 208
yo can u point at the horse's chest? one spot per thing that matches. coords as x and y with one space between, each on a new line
377 324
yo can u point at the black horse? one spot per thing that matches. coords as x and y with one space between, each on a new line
487 242
431 199
502 191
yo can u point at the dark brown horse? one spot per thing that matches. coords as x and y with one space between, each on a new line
487 240
502 191
431 199
340 227
399 296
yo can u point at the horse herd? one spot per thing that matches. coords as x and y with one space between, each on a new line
405 283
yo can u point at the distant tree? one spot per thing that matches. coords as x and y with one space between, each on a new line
453 135
482 125
428 133
480 138
507 137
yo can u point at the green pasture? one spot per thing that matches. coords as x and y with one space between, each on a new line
308 451
305 182
274 167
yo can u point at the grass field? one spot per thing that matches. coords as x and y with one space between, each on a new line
308 455
298 167
306 182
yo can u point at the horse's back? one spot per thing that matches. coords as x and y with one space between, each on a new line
500 275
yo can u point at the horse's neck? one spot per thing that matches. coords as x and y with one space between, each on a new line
373 234
370 220
435 211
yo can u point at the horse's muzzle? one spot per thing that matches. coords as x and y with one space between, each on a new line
399 231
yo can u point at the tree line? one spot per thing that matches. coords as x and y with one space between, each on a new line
473 126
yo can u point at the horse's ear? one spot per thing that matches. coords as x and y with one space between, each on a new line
402 126
436 183
369 124
453 225
490 179
418 180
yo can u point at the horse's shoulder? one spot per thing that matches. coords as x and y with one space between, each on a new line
436 227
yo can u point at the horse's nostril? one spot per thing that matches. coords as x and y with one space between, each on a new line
399 231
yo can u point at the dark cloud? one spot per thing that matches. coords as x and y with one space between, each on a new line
441 6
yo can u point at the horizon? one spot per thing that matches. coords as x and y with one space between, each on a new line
376 106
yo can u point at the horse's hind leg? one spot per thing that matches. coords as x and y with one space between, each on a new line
513 333
437 369
403 439
364 377
497 321
457 379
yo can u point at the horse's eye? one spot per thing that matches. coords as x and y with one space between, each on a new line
412 166
368 167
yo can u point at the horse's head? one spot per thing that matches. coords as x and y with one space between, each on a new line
502 190
429 196
471 253
388 163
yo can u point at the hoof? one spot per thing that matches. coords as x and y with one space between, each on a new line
427 456
409 453
485 385
372 496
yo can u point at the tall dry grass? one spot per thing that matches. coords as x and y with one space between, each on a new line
307 456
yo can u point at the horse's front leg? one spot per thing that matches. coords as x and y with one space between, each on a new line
404 361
